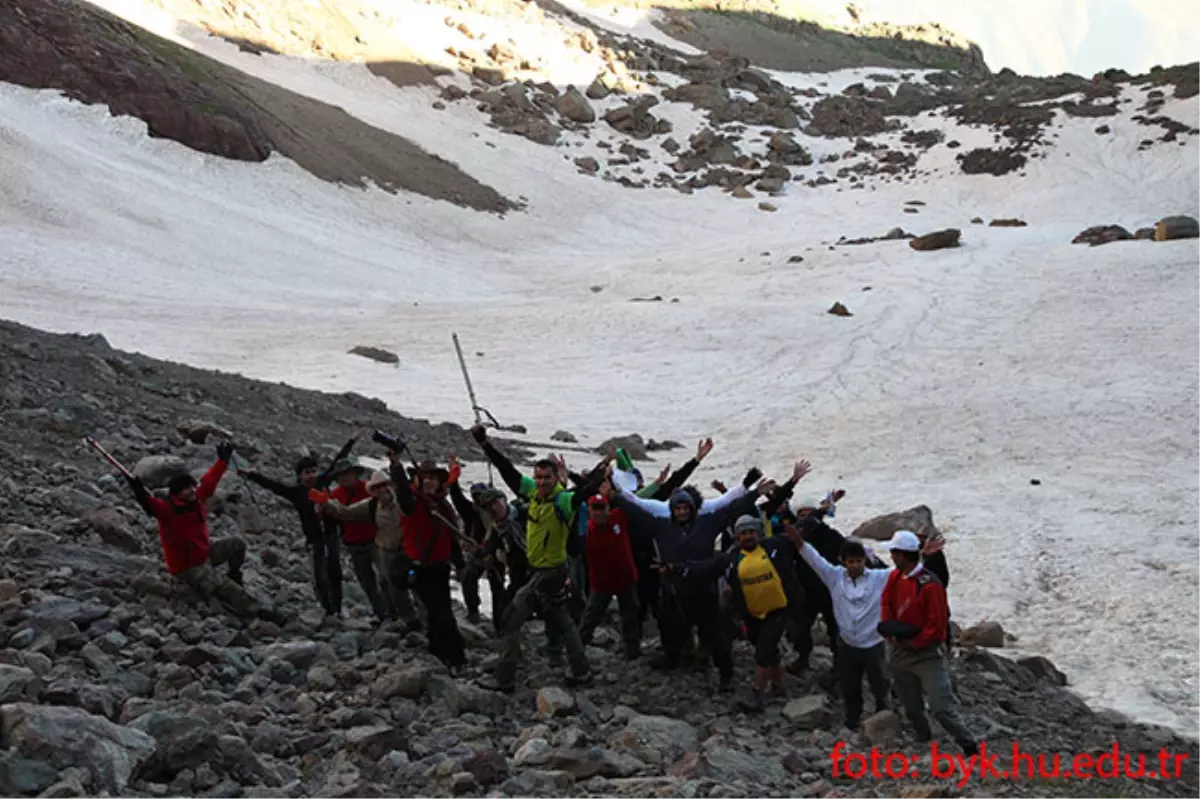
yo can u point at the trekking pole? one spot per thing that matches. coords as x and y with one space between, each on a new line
94 444
471 394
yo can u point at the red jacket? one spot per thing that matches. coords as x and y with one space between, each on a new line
917 599
183 529
421 526
355 532
611 568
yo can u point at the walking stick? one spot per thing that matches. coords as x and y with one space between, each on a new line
471 394
94 444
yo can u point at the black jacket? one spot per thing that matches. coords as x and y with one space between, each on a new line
312 524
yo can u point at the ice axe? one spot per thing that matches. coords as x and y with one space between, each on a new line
94 444
479 411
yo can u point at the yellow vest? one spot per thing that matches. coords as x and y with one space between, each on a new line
762 589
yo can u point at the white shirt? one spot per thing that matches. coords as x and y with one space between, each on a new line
856 603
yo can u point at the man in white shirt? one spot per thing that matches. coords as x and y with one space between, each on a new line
856 592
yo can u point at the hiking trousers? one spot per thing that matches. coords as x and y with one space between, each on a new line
545 591
365 564
765 634
431 583
225 588
853 664
679 610
924 675
327 570
393 582
470 586
631 624
815 604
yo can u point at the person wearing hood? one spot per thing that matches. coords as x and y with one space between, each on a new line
913 620
503 549
762 577
856 593
190 554
683 533
551 508
358 537
611 573
325 550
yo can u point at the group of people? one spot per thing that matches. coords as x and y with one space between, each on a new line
750 562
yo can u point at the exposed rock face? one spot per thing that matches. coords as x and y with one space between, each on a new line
846 116
1101 234
375 354
1176 227
938 240
881 528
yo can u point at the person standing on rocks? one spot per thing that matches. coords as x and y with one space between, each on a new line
611 573
913 619
189 552
475 528
762 577
856 593
358 536
325 549
382 511
504 547
431 531
685 530
551 509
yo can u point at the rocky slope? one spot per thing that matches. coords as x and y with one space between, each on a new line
113 679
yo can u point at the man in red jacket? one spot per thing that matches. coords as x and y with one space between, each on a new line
611 572
189 553
913 620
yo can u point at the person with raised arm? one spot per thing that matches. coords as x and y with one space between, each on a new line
551 509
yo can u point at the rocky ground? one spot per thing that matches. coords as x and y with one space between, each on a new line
115 681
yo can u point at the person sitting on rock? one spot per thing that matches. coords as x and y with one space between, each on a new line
913 620
611 573
358 536
189 553
551 509
326 554
381 510
761 575
856 592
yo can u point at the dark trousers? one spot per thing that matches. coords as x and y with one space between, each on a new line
365 564
647 586
431 583
679 610
544 592
518 575
470 586
815 604
923 675
765 634
327 570
597 608
852 665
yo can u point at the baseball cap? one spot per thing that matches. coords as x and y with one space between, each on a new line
903 540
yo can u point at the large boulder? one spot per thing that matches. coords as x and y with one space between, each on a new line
112 529
20 776
155 471
183 741
657 739
987 633
881 528
634 446
938 240
572 105
1176 227
1102 234
18 684
67 737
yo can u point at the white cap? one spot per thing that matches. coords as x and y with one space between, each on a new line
903 540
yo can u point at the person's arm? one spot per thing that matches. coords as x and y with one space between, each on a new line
464 506
887 607
580 495
279 489
151 504
402 485
325 478
936 563
828 573
933 599
517 483
358 512
732 498
783 493
208 483
681 475
704 568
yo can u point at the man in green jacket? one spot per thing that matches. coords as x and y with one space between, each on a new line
551 509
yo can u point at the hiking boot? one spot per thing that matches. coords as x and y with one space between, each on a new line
556 660
726 684
236 576
578 680
633 654
489 682
664 663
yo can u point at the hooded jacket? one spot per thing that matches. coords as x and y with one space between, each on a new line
183 529
610 564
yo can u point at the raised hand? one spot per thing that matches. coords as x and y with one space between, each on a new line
703 448
479 432
800 470
719 486
664 474
225 451
752 477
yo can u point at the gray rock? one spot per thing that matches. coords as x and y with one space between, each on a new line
881 728
656 739
534 752
198 431
375 354
488 767
408 682
61 608
534 782
98 660
377 740
66 737
112 529
555 701
301 654
1176 227
729 764
156 470
20 776
988 633
183 741
572 105
594 761
1042 668
881 528
808 712
18 684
